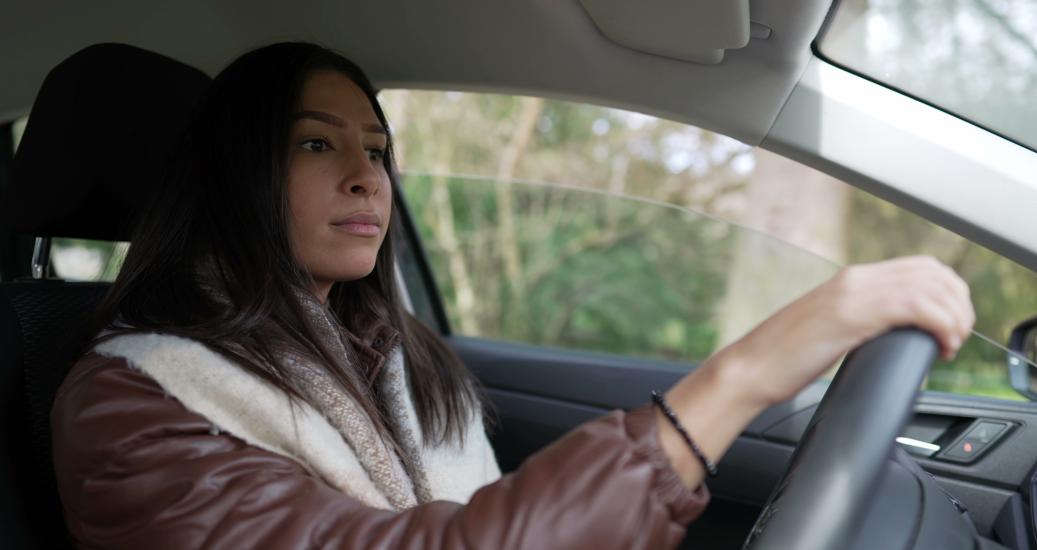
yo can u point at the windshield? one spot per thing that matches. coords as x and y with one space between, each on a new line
579 268
974 58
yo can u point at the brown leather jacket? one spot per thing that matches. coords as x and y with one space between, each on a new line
136 469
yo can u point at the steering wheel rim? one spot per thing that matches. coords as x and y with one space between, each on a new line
832 476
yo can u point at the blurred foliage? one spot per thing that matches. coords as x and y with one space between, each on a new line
610 275
87 260
582 264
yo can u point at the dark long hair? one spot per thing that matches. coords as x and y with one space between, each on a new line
223 207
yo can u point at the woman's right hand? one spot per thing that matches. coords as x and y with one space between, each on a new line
801 341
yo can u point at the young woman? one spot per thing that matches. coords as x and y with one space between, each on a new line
258 384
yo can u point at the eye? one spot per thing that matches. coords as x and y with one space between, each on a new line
316 145
376 154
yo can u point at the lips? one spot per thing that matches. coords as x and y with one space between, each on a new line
361 224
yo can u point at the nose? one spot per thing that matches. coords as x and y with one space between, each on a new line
361 177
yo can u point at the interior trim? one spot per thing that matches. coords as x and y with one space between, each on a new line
857 130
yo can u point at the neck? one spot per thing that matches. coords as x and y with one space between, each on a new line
321 290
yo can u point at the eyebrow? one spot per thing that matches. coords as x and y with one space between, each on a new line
333 120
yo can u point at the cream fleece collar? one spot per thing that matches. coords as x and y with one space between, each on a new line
251 409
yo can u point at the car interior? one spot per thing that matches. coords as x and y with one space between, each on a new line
107 90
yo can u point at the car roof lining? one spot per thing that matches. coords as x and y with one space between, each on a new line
449 44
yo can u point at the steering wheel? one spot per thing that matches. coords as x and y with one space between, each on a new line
835 471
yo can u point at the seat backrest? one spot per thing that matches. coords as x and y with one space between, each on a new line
38 347
97 138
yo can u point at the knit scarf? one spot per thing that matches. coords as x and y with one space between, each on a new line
329 433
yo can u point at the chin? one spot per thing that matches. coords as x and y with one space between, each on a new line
345 267
352 273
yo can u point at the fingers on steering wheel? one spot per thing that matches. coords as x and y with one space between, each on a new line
964 294
943 286
938 313
955 296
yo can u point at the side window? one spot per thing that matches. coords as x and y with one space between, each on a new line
570 267
86 260
654 238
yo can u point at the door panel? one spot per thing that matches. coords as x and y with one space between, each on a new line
541 393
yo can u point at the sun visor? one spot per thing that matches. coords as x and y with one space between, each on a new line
699 31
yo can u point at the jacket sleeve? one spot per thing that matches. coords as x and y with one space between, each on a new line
136 469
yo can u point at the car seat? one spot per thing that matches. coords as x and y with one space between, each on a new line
97 137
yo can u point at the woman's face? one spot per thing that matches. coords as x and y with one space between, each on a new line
338 189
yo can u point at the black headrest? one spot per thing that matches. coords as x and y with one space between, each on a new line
98 135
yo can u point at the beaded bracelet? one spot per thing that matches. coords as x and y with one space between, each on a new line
711 468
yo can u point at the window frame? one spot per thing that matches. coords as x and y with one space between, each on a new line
417 272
